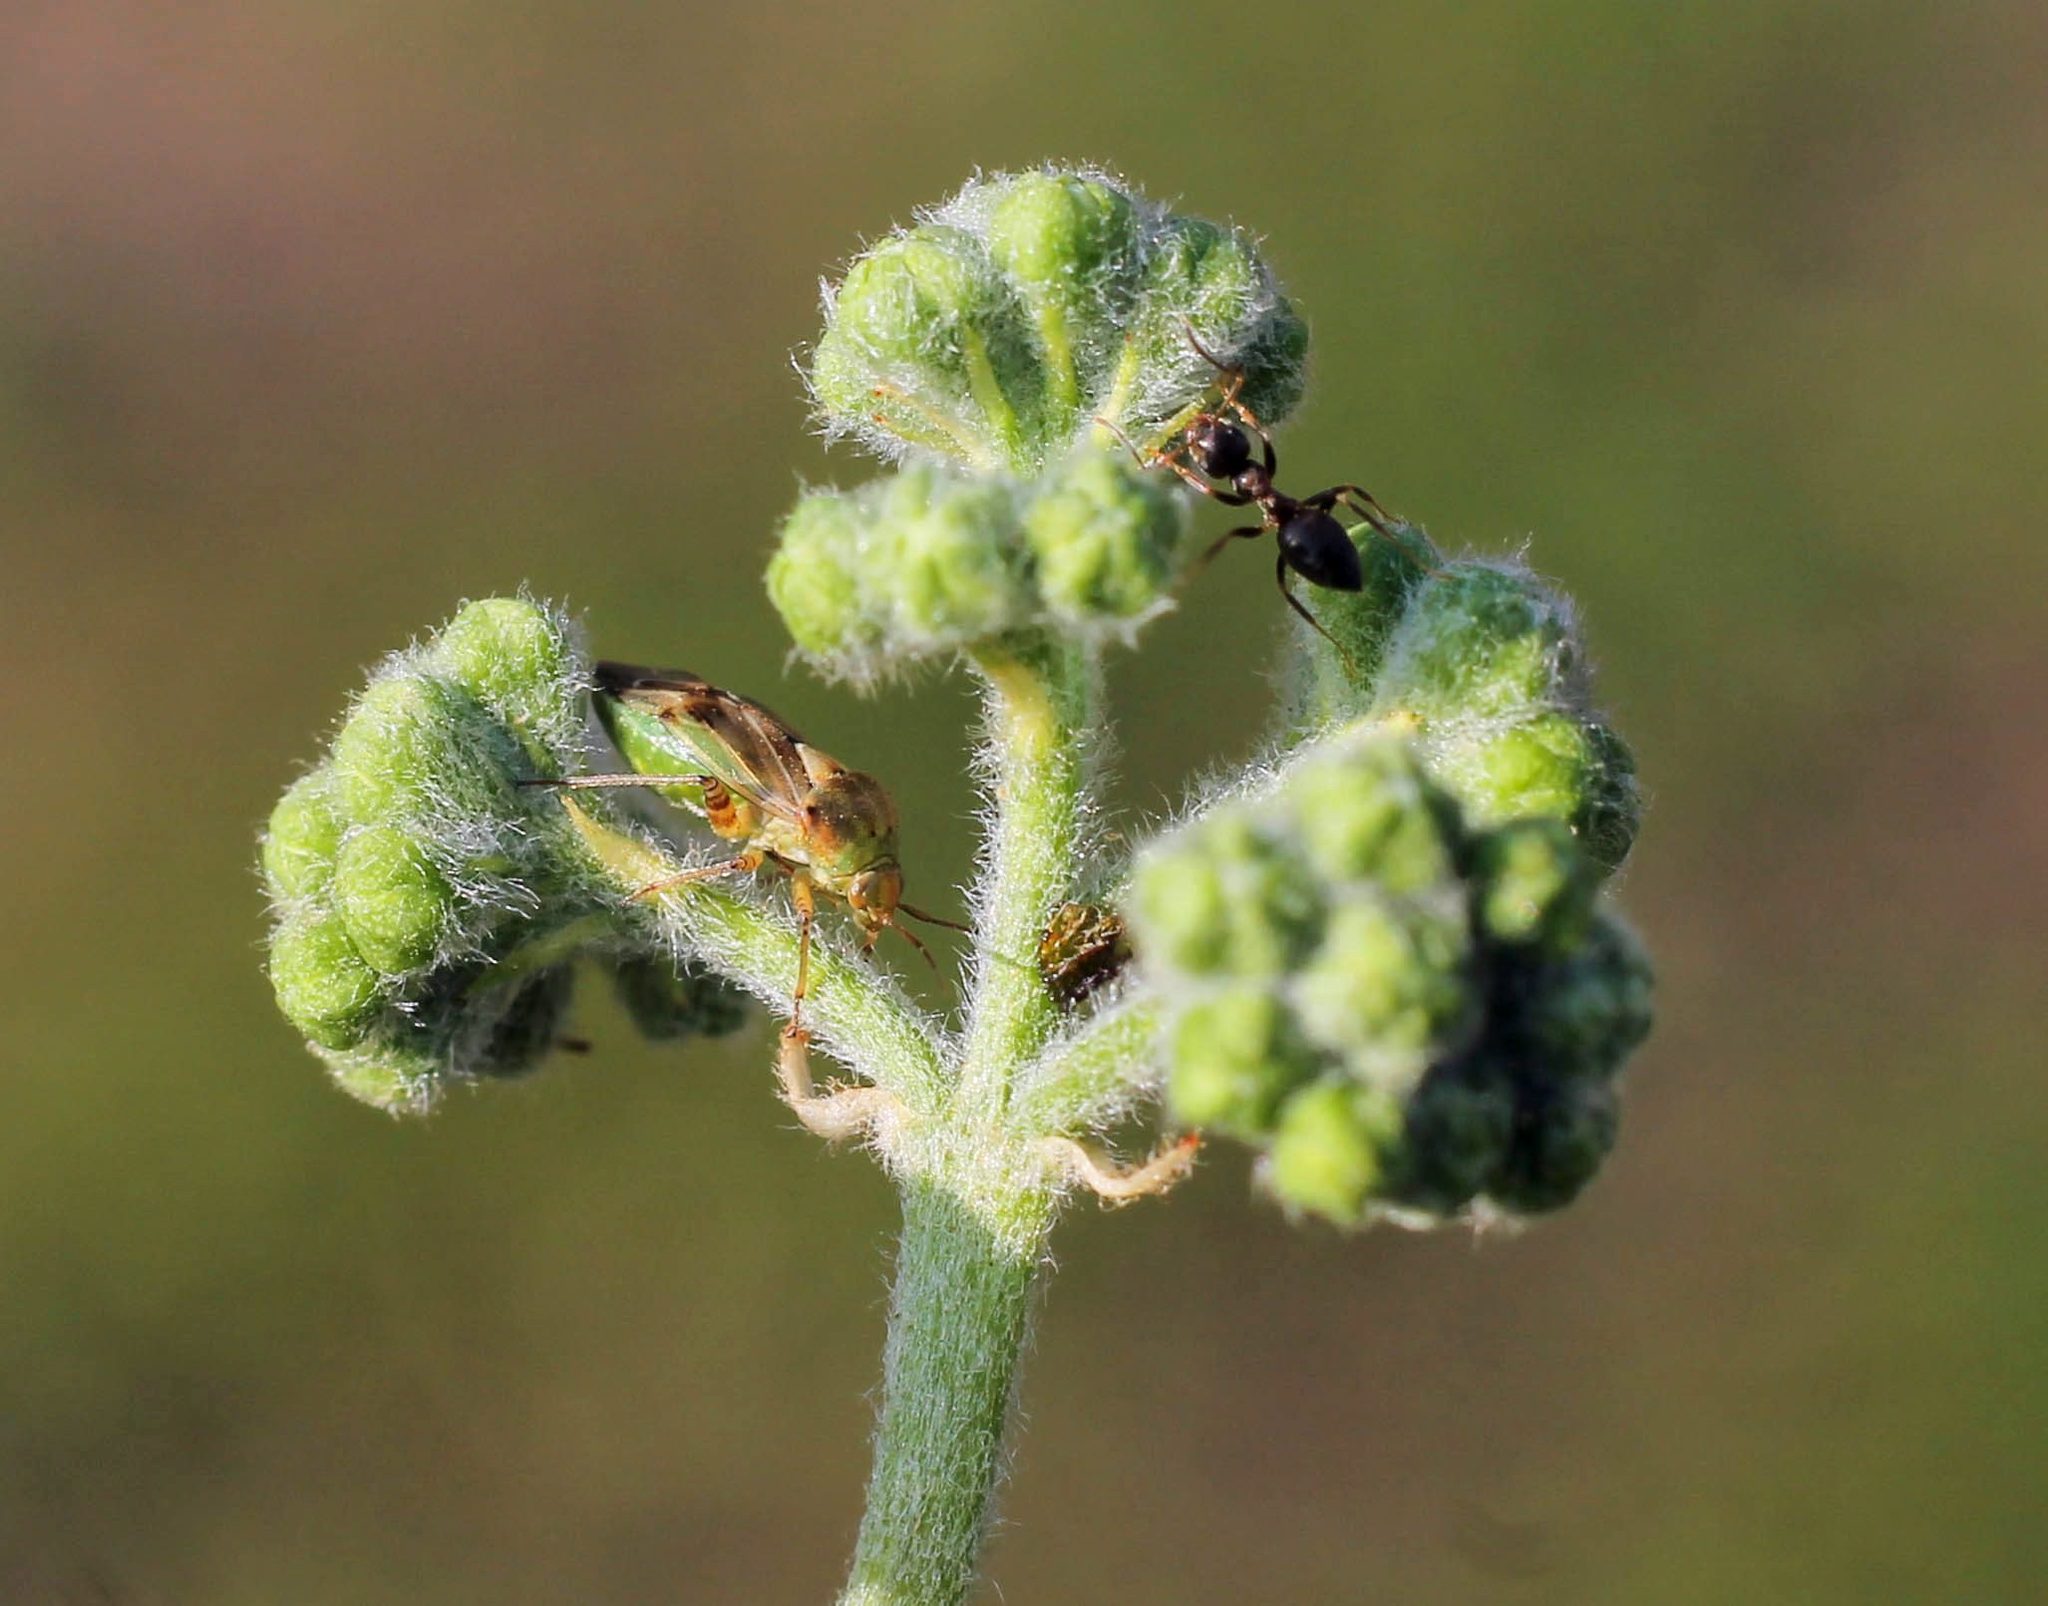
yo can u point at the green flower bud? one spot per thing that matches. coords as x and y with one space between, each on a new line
952 582
1069 244
814 577
1612 809
1226 897
1552 764
1455 1136
322 984
304 832
1389 986
667 1003
1367 814
1107 537
393 901
1212 280
1587 1012
1336 683
390 1073
1405 990
1536 887
1182 906
926 339
516 658
1560 1140
1481 642
926 563
1329 1151
1236 1054
432 901
999 330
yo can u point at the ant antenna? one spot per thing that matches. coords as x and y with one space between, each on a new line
1202 351
1104 423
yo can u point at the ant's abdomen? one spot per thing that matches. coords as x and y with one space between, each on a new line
1317 548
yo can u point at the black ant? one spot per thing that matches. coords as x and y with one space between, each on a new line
1218 443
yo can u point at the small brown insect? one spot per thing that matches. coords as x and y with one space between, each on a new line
1084 948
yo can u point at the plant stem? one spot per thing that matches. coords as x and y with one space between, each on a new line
957 1321
1041 702
1086 1081
857 1016
976 1203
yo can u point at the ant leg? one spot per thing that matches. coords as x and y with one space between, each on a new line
1294 602
1187 327
1115 1184
746 863
1244 532
1173 461
1360 500
1226 395
1227 498
1258 429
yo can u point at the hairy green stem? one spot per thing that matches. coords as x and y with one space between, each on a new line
976 1206
855 1015
1088 1080
1041 702
957 1322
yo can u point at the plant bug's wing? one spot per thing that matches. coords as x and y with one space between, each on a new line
670 722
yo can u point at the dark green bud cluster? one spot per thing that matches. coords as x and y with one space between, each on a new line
427 902
927 561
1001 326
1412 1014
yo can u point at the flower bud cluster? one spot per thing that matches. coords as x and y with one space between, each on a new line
1410 1013
1488 665
1000 327
928 561
427 903
1484 663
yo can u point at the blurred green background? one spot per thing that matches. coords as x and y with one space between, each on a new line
317 317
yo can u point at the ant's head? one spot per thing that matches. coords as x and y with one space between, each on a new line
1221 449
